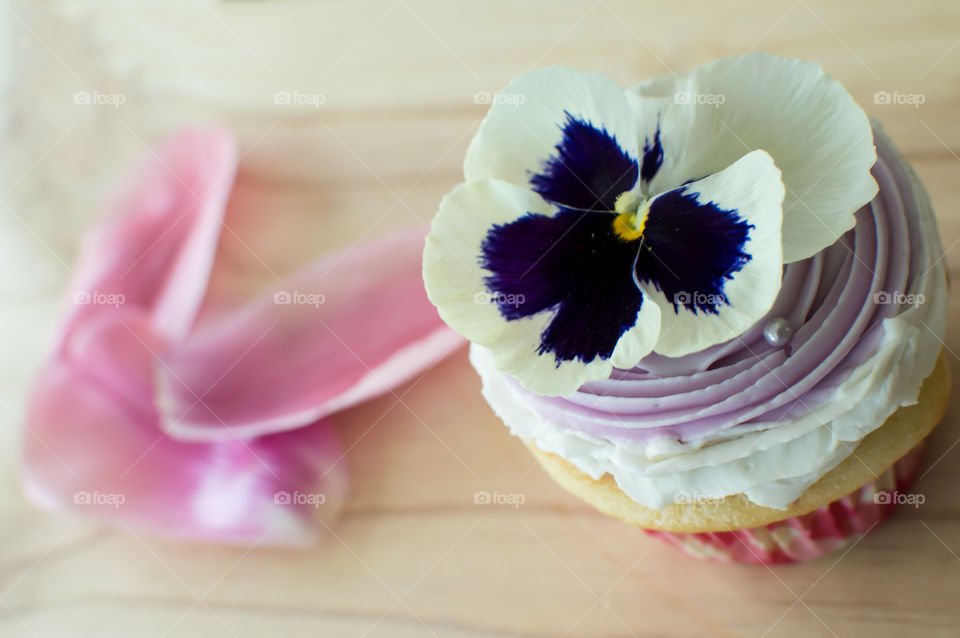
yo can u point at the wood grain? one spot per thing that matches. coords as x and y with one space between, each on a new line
413 555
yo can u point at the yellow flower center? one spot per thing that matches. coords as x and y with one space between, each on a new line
631 216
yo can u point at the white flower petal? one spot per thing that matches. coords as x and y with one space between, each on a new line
638 341
751 188
818 136
522 130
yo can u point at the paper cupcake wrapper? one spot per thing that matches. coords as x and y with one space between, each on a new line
819 532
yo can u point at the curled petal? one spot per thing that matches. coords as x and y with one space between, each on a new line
156 247
816 133
349 327
711 257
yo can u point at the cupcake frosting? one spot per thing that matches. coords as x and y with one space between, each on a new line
867 318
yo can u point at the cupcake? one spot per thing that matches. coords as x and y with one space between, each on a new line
711 306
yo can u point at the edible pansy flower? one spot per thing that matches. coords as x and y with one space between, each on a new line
598 225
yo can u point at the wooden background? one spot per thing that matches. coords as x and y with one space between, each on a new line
413 555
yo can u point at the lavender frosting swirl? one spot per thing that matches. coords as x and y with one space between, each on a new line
867 316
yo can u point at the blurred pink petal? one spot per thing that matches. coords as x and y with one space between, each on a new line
131 365
347 328
113 350
156 247
94 443
90 452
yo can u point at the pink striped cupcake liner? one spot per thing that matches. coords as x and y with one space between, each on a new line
800 538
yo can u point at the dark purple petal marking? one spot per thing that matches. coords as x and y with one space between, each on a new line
652 157
690 250
571 264
575 266
589 169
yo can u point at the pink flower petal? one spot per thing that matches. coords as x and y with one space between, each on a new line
155 249
113 351
94 442
88 451
347 328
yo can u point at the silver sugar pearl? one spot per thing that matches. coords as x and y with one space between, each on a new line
777 332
